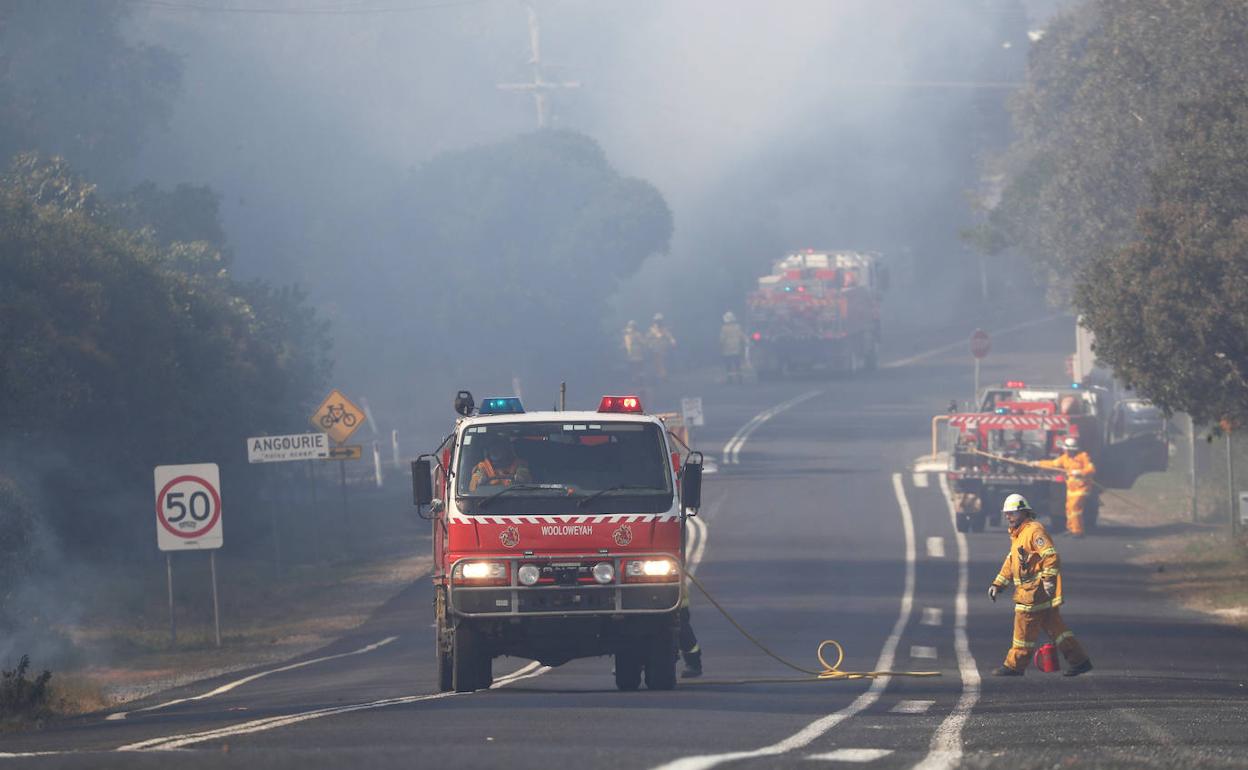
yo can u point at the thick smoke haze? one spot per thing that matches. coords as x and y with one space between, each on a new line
766 126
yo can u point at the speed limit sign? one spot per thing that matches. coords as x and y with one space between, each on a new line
188 507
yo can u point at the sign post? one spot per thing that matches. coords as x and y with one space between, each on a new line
188 518
981 344
338 418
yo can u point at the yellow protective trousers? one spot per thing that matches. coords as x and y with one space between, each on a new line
1027 627
1074 509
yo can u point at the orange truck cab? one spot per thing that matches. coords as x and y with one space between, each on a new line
557 535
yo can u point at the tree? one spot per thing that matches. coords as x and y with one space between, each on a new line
1170 310
72 85
1103 88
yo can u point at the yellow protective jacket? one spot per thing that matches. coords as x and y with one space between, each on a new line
1031 560
731 340
1079 470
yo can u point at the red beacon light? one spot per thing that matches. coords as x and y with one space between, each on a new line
620 404
1015 384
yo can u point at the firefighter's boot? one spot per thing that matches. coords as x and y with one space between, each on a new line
693 665
1082 668
1006 671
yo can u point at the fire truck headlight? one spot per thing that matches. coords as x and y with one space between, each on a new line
604 572
651 570
488 572
528 574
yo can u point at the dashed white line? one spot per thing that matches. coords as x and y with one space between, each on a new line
732 450
931 616
936 547
260 675
852 755
946 747
888 652
912 707
922 651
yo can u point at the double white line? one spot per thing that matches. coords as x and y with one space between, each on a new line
732 450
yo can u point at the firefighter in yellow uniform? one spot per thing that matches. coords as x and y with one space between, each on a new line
1033 566
1079 471
635 351
500 467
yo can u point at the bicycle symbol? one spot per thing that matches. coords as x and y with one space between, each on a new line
337 414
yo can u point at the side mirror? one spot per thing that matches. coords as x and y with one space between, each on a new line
422 482
691 485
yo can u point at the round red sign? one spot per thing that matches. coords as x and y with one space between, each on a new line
188 507
980 343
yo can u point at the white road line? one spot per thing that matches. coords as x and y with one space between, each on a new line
852 755
923 652
698 550
920 480
956 345
946 747
270 723
240 682
888 652
912 707
931 616
525 672
936 547
732 450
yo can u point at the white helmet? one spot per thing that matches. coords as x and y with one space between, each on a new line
1070 443
729 317
1016 503
658 318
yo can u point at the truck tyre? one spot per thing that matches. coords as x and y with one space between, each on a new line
978 521
628 665
661 662
871 361
442 645
472 666
962 523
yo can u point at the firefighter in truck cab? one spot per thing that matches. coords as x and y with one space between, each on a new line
1079 471
1034 568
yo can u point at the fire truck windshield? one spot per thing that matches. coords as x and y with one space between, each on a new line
557 467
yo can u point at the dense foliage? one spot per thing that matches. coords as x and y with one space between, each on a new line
118 353
1129 187
1103 87
514 248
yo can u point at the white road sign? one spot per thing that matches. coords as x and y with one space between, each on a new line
188 507
281 449
691 410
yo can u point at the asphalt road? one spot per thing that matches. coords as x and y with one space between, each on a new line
819 530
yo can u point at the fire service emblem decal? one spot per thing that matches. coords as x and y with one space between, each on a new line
623 535
510 537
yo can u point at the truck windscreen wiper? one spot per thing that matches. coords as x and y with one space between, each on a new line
616 488
520 487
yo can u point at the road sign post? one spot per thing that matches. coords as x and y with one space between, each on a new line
188 518
981 344
339 417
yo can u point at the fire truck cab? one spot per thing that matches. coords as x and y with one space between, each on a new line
557 535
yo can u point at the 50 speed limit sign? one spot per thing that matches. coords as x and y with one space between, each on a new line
188 507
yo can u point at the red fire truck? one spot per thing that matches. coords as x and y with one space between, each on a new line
988 460
817 310
557 535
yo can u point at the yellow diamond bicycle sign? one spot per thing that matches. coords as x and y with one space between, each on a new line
337 416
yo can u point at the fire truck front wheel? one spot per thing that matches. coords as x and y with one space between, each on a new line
471 662
661 662
442 645
628 666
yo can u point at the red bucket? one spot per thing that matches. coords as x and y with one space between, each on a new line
1046 658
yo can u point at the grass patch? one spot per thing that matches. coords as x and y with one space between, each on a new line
23 699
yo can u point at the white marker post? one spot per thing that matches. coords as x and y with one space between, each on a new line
188 518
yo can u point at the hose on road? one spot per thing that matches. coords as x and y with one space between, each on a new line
1101 487
830 672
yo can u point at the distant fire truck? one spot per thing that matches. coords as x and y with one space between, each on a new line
557 535
817 310
989 454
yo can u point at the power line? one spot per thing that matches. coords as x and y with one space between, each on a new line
340 10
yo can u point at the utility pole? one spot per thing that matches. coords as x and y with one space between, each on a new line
539 87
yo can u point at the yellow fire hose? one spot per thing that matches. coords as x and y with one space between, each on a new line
830 672
1104 490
